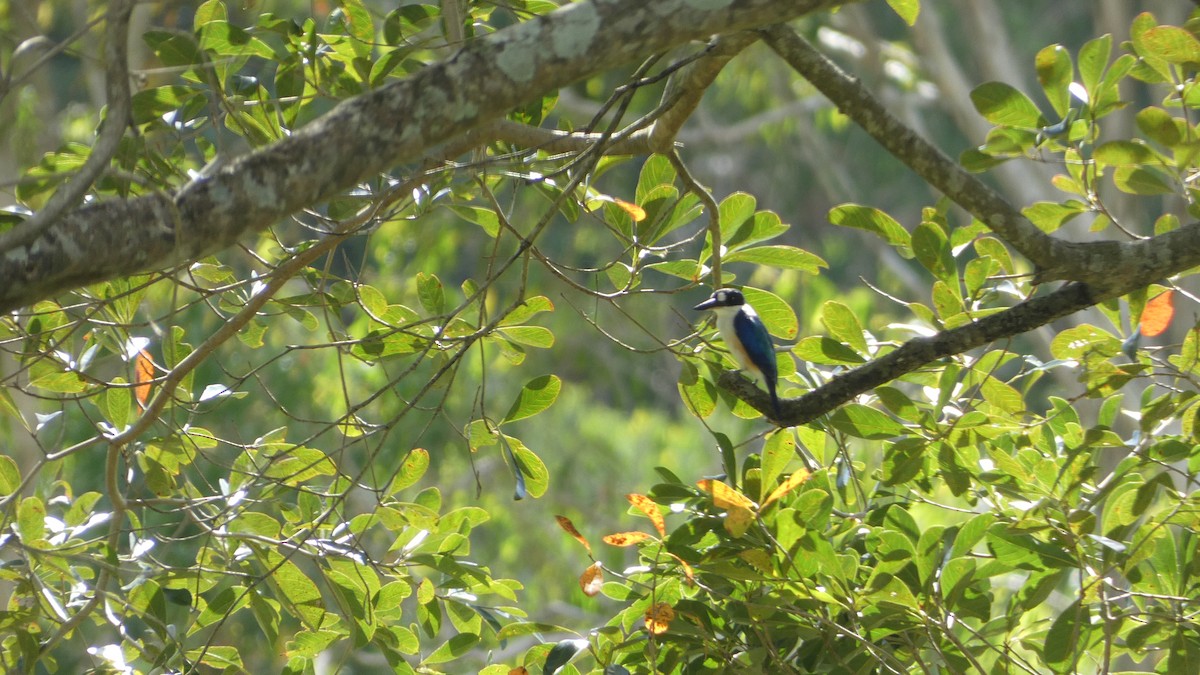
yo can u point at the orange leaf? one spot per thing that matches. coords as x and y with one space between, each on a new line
519 670
794 481
724 496
1157 315
625 538
636 212
659 618
566 524
591 579
648 507
143 375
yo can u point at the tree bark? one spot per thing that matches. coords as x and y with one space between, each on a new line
394 124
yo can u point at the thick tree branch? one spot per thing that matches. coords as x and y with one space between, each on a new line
920 155
1110 268
365 135
915 354
1118 268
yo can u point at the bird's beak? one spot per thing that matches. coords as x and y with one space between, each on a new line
707 304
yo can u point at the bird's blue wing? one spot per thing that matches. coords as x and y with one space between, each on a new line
754 337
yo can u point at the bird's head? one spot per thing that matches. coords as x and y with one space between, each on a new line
724 297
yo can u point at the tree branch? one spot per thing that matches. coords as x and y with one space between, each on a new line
1111 268
112 129
363 136
914 354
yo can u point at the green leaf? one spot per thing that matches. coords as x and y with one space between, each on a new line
150 104
1054 71
779 450
116 403
932 249
776 315
531 466
31 520
1049 216
735 210
1004 105
860 421
562 653
10 476
1068 637
173 49
844 326
1002 395
1171 44
211 10
431 293
485 218
1141 181
699 394
906 9
522 628
527 310
455 647
656 171
225 39
826 350
537 395
1093 59
1124 153
1161 127
872 220
533 336
785 257
411 470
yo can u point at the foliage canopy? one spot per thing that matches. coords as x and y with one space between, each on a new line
301 449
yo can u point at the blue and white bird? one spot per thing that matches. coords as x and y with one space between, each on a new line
745 336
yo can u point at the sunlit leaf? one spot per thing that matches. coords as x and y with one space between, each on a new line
1003 104
566 524
647 506
907 9
537 395
143 375
625 538
723 495
659 618
591 579
793 481
777 315
431 293
872 220
1157 315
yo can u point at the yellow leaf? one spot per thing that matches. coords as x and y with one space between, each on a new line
724 496
738 520
636 212
659 618
625 538
794 481
647 506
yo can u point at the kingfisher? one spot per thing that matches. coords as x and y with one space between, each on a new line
745 336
